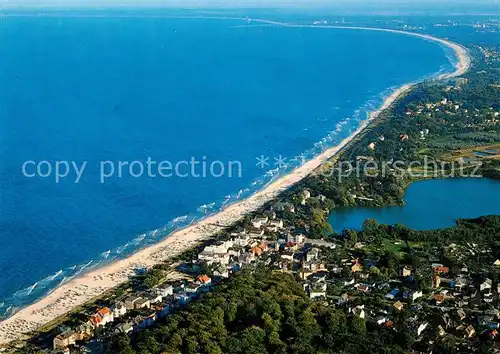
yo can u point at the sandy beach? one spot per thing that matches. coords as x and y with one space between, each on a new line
95 282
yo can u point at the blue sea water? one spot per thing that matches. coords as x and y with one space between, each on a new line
124 89
430 205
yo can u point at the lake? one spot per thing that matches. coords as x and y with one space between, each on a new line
430 204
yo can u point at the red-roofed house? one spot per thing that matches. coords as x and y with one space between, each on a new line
257 251
102 317
263 246
440 269
439 298
290 246
204 279
356 267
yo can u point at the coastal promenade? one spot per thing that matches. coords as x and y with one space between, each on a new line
89 285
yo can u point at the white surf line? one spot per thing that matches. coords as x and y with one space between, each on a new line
63 299
460 51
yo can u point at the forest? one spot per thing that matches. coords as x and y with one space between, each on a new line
261 312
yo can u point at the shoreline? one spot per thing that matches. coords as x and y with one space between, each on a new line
89 285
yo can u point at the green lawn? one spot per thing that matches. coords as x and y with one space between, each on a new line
395 248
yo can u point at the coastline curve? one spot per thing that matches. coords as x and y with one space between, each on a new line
93 283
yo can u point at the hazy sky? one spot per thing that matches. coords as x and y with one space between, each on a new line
244 2
247 3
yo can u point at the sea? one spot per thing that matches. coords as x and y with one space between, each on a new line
225 106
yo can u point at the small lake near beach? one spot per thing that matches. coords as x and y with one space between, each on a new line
431 204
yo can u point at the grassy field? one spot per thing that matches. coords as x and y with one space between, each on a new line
472 153
395 246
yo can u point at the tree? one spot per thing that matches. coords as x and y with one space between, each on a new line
252 340
149 344
370 227
319 224
212 348
275 344
121 345
351 236
357 325
375 271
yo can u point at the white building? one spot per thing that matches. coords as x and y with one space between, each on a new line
242 240
305 196
119 310
296 238
486 285
416 295
259 222
217 253
312 255
317 290
165 290
421 328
